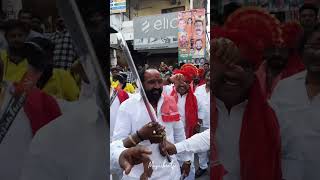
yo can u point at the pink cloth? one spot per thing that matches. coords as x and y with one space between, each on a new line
169 109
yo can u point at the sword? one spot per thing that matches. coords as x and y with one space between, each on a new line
125 48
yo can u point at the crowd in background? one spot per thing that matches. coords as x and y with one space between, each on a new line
62 77
122 77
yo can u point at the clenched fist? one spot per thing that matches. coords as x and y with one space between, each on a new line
224 51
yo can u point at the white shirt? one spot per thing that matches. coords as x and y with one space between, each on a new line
197 143
182 107
132 116
72 147
168 89
203 99
228 136
300 128
15 144
113 113
116 148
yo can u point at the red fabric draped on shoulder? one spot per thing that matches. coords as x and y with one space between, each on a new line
41 109
122 95
191 111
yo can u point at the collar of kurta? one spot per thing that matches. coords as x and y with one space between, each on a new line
168 107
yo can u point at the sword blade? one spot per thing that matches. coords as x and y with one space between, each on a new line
134 70
127 54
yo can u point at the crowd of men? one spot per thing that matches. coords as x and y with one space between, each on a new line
181 103
262 123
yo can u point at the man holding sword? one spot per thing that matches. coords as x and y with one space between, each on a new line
131 119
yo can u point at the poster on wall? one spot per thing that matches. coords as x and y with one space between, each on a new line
192 36
118 6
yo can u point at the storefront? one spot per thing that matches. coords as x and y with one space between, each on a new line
156 37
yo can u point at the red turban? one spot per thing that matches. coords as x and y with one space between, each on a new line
258 22
189 71
201 72
250 46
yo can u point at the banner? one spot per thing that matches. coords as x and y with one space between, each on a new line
117 6
192 36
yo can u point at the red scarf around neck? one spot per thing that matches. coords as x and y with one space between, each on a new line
260 147
191 110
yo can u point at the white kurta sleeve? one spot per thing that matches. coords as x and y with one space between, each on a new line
116 148
197 143
122 128
180 136
201 107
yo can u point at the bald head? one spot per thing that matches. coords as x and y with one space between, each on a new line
151 70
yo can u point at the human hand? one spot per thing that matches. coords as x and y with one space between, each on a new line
153 131
225 51
167 147
185 168
176 78
133 156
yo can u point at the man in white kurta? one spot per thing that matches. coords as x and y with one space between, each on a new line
182 88
132 115
296 102
203 96
298 117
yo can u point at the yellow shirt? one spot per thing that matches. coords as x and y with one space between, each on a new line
62 85
129 87
13 72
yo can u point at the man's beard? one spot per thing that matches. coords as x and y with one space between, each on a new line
154 95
